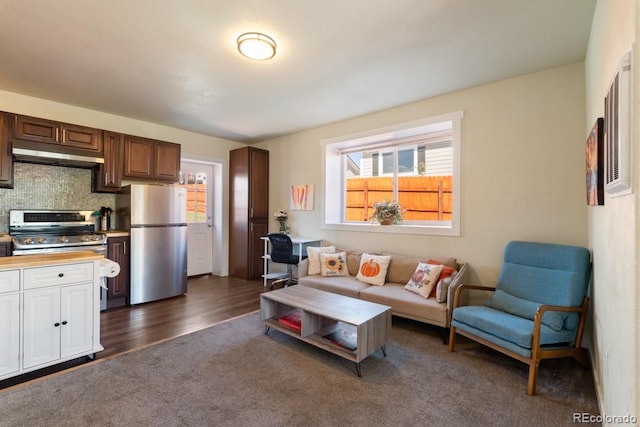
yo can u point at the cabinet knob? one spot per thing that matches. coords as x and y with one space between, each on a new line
56 324
60 274
64 322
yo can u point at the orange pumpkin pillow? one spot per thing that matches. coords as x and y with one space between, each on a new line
424 279
373 269
446 272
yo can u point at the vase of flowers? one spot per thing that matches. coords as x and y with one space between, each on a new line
281 216
387 213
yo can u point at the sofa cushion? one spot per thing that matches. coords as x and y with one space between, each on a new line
333 264
373 269
424 279
505 326
313 255
406 304
503 301
402 267
353 262
343 285
442 288
446 272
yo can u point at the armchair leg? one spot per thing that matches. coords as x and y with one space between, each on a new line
452 339
533 373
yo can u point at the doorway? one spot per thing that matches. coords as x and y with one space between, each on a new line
204 215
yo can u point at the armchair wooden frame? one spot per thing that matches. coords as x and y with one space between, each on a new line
537 353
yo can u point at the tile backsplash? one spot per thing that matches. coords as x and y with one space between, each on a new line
50 187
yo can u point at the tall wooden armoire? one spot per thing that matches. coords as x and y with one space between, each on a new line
248 210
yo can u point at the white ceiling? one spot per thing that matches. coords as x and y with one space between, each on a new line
175 62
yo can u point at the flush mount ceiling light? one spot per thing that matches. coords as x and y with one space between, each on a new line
256 46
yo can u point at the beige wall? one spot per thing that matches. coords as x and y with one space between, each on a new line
612 233
523 172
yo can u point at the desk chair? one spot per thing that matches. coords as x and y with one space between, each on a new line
282 252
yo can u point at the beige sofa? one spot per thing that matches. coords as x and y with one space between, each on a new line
402 302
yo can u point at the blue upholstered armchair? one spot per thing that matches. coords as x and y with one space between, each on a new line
537 309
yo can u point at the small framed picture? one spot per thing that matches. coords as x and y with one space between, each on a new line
594 151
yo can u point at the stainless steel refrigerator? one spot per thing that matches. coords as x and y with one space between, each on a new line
156 218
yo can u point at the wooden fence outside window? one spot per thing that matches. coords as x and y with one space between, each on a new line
423 198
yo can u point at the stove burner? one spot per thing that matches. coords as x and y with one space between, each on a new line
45 231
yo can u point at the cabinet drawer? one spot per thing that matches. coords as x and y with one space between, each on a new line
40 277
9 281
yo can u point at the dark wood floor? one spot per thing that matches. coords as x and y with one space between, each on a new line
209 300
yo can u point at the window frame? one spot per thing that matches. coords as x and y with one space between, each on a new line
332 203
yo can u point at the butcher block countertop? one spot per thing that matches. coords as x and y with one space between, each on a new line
4 238
117 233
48 259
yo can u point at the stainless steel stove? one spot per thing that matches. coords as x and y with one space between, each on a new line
54 231
51 231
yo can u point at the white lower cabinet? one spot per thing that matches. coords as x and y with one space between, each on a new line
48 314
9 333
58 323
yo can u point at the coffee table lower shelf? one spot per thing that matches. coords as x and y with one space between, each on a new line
361 327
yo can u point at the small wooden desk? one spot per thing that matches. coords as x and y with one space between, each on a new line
299 248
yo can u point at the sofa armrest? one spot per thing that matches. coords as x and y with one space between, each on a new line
303 268
461 277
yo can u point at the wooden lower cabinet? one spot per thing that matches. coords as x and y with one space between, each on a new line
118 287
5 249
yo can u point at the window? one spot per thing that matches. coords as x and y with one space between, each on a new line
416 164
196 184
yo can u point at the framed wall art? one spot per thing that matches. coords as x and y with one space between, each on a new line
302 197
594 151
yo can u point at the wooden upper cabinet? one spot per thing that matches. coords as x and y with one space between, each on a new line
81 137
107 177
6 162
151 159
35 129
138 157
53 132
167 161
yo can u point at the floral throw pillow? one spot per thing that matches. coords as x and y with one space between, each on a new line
333 264
373 269
313 254
424 278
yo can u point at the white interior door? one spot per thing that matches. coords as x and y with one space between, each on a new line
198 179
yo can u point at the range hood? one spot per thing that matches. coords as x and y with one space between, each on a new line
29 152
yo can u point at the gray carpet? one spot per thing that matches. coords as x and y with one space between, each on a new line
233 375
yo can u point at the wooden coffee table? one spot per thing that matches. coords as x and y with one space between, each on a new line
364 325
